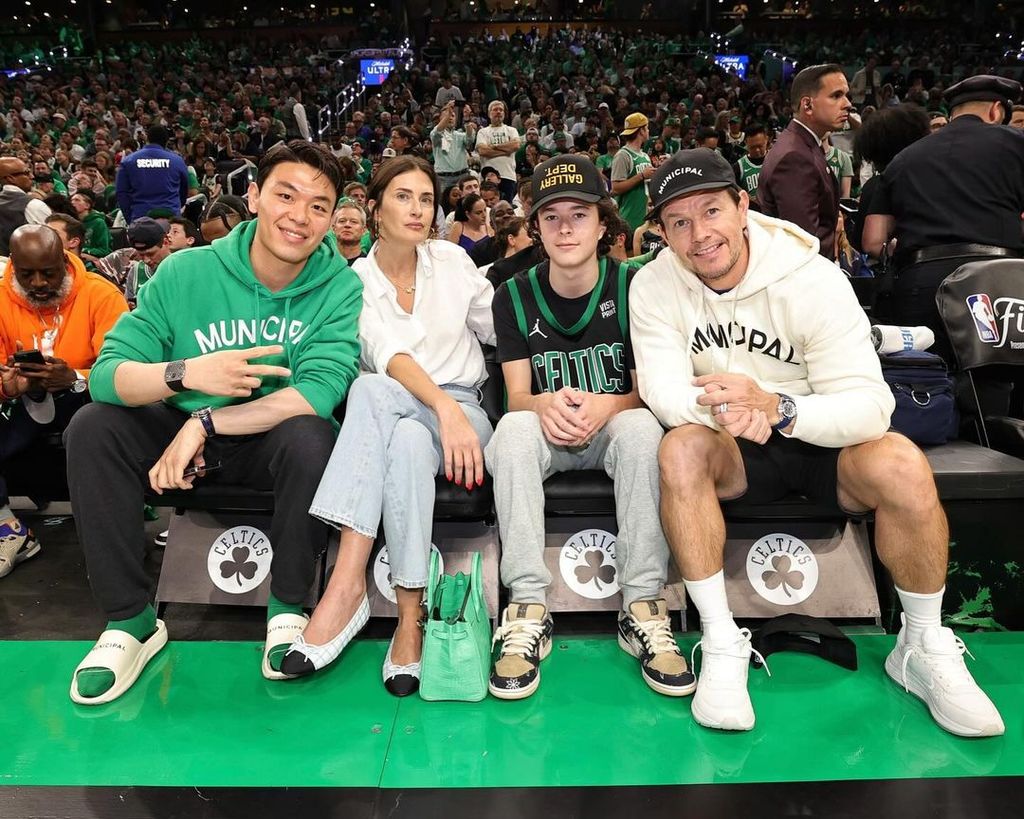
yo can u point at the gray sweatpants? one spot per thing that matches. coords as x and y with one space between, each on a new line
520 458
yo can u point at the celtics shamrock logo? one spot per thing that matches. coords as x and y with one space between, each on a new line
239 559
782 576
239 565
595 570
586 562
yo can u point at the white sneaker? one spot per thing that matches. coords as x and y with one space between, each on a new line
721 700
934 671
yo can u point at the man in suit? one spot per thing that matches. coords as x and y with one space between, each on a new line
796 183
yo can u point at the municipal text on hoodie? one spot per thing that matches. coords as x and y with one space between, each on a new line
793 324
206 299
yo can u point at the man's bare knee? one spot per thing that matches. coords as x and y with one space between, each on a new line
687 455
893 469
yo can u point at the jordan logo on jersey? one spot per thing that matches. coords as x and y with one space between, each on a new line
536 331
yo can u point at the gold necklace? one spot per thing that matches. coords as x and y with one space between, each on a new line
407 290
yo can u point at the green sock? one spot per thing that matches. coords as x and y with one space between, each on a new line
95 681
274 608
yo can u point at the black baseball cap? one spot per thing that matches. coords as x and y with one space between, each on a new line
984 88
567 176
696 169
806 634
145 233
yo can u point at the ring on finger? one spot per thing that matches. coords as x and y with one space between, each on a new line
723 408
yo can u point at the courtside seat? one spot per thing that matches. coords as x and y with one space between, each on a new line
590 492
1006 434
450 502
963 471
968 471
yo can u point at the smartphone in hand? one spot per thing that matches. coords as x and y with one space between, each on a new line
193 471
29 357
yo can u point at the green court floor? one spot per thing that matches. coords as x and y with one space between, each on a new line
202 715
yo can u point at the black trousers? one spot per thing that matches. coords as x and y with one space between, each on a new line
110 451
18 431
913 300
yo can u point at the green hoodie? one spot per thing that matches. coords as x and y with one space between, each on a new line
206 299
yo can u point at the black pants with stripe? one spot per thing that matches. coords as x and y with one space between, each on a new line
110 452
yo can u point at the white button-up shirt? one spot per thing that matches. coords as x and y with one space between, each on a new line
451 316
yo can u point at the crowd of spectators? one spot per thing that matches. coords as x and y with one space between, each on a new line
222 101
218 104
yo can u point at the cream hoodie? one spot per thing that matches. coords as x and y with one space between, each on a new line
792 324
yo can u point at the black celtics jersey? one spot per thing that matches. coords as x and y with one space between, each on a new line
582 343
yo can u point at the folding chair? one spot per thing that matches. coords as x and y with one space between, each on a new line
982 308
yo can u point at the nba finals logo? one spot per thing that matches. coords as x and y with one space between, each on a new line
984 317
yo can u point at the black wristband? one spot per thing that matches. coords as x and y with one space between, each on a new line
205 417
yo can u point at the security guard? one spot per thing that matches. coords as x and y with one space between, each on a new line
952 197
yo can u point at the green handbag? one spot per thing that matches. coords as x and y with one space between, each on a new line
457 639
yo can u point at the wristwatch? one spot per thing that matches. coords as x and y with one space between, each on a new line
173 375
79 385
205 417
787 412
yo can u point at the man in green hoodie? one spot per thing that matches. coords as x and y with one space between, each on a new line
234 361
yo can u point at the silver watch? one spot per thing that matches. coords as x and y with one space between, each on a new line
787 412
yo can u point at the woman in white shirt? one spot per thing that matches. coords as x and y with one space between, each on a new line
416 412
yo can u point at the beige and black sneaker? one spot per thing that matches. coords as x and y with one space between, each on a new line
525 636
646 633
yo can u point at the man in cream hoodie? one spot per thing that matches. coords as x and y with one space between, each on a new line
753 351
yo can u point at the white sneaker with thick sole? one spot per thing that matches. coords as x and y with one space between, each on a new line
721 700
934 671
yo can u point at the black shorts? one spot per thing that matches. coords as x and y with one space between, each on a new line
785 466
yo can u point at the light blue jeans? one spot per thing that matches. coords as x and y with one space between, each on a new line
384 463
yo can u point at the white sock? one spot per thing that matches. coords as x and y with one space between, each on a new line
6 513
708 595
921 611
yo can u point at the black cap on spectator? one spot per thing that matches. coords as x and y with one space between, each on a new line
145 233
984 88
567 176
697 169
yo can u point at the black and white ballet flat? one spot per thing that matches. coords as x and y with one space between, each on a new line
400 680
304 658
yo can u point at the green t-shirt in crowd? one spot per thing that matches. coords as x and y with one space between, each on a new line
632 203
750 175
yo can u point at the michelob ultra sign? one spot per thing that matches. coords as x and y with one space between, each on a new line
375 72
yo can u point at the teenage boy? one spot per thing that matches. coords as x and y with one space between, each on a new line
234 361
807 411
563 341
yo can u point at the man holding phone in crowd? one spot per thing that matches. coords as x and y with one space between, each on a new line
53 317
238 354
451 138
